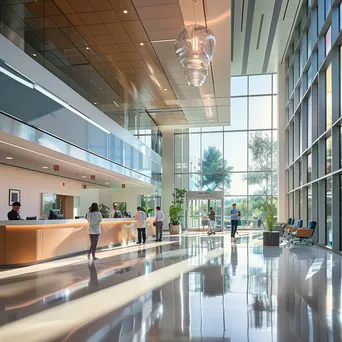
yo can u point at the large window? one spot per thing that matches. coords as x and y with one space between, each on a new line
328 155
239 159
309 167
309 120
328 41
309 203
328 212
328 91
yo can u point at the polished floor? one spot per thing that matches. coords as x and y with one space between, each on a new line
189 288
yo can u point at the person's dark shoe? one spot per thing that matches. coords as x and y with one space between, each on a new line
138 243
88 256
144 241
157 240
95 258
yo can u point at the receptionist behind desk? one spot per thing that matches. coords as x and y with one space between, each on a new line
14 213
116 213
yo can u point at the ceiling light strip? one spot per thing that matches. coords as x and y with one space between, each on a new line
16 78
67 106
163 41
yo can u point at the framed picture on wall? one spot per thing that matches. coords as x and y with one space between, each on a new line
14 196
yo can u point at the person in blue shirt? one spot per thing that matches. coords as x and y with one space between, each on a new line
234 214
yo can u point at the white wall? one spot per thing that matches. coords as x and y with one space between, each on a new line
108 196
32 185
88 196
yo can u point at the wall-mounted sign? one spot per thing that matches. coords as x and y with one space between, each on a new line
204 195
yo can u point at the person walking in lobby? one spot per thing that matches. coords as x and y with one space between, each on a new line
160 217
211 221
234 214
141 216
94 219
14 215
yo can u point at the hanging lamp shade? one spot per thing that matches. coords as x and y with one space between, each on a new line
196 78
195 46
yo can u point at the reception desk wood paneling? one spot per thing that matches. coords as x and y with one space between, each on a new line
25 242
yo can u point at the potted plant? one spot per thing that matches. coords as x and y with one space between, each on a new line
270 237
176 210
104 210
148 211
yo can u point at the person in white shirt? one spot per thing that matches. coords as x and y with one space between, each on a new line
160 217
141 216
94 219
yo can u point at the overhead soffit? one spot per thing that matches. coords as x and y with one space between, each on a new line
30 156
260 31
94 39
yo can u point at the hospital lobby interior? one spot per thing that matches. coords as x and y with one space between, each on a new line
171 170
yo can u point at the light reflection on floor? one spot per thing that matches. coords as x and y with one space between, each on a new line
247 293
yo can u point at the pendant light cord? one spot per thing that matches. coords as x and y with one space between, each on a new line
194 7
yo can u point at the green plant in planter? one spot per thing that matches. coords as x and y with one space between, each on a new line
104 210
176 209
147 210
270 212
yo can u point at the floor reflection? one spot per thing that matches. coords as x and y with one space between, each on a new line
250 293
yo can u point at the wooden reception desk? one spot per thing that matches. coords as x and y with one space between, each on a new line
26 242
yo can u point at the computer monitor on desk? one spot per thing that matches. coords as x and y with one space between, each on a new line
31 218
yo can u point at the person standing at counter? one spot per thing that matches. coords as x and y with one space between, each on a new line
141 216
14 215
116 213
160 217
94 219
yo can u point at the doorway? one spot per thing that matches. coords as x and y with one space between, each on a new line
198 207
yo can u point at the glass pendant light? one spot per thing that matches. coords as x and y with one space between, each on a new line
196 78
195 46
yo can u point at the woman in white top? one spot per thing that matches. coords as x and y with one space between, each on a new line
141 216
94 219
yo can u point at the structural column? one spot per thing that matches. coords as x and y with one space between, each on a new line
282 203
168 172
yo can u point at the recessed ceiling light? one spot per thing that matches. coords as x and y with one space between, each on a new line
84 176
9 158
45 167
95 103
125 11
141 44
88 48
165 89
34 55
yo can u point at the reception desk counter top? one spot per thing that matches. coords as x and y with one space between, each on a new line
27 242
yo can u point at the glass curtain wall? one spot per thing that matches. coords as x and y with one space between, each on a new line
240 159
314 107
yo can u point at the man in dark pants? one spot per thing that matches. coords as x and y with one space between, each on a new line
13 215
234 214
141 216
160 216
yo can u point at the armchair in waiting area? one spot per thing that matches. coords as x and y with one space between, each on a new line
292 228
304 234
288 223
